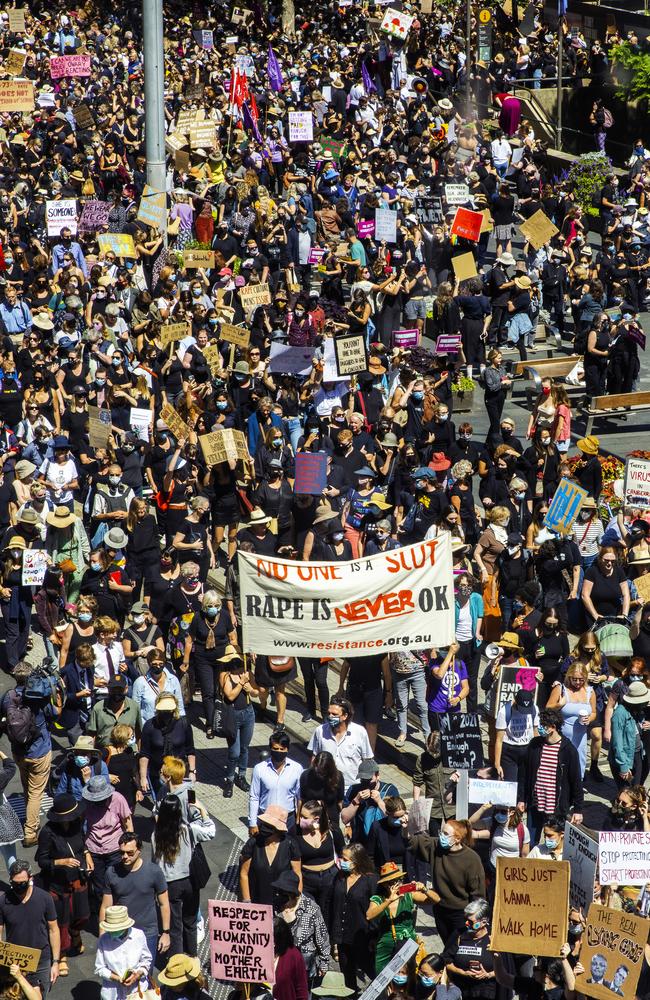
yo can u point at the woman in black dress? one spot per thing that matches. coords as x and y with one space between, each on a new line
211 630
265 856
323 781
162 577
192 540
143 547
476 310
319 845
606 591
351 930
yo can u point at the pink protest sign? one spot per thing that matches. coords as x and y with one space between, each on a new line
406 338
448 343
636 333
69 66
241 942
365 228
316 255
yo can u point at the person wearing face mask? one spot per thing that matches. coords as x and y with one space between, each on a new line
156 679
81 762
426 509
467 957
192 541
272 447
111 503
548 653
588 529
490 545
512 566
393 913
275 782
28 919
115 707
541 462
388 839
504 830
346 740
266 855
627 727
606 591
351 933
517 722
168 732
257 531
206 639
319 845
550 780
123 957
551 844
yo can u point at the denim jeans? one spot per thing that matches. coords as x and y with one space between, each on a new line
414 685
8 852
293 428
238 749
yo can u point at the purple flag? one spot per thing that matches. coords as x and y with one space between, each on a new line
249 122
368 85
274 71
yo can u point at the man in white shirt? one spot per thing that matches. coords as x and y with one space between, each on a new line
347 742
501 152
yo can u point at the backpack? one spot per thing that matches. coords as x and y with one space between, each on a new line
608 118
19 722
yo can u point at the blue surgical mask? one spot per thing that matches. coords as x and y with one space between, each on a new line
550 842
334 721
417 396
400 980
222 404
445 841
396 822
96 567
443 417
100 382
212 611
427 981
114 480
542 730
82 761
501 817
185 625
85 616
346 866
276 443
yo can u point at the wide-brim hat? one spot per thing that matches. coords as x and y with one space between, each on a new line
523 281
180 970
510 640
257 516
288 881
98 789
84 744
28 516
64 809
24 468
389 441
333 985
588 445
43 322
439 462
229 655
390 872
590 503
115 539
324 513
60 441
15 542
507 259
276 817
61 517
376 365
364 471
639 559
379 500
637 694
116 918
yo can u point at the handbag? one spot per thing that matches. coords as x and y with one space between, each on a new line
200 870
223 719
151 993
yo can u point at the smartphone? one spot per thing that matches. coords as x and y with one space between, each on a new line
191 797
408 887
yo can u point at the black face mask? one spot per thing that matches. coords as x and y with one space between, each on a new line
165 718
118 697
279 756
280 900
20 888
266 829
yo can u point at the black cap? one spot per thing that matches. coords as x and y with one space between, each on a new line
117 683
514 538
287 882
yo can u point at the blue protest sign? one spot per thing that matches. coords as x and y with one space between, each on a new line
564 507
311 473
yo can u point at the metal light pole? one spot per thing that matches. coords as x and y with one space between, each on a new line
560 60
154 87
468 59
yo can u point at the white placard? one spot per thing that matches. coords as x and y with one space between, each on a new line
456 194
61 215
34 567
499 793
637 483
396 23
385 225
140 421
301 126
623 857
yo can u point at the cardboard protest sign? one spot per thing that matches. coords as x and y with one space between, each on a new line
140 421
564 507
456 194
171 332
539 229
94 216
205 38
406 338
464 264
15 62
198 258
239 335
636 485
83 116
365 227
582 854
203 135
175 141
176 424
121 244
182 165
99 427
34 567
351 354
467 224
16 954
396 23
194 92
69 66
512 679
290 360
612 952
153 208
460 740
16 95
222 445
17 20
348 606
448 343
188 117
241 942
385 225
311 473
428 209
499 793
61 215
301 126
330 371
531 906
488 222
252 296
642 584
623 857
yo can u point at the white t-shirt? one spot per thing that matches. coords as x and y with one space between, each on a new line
464 626
505 843
59 476
518 725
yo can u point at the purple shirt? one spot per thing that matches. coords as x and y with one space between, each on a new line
439 692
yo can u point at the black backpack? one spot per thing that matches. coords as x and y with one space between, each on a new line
18 721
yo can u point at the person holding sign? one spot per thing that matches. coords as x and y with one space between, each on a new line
467 956
550 781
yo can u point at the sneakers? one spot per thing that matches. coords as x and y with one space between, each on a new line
308 717
595 772
240 781
227 790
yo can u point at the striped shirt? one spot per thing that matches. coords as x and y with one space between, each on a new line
546 784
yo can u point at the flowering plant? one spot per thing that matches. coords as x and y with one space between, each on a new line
463 384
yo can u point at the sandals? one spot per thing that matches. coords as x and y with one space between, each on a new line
400 741
63 966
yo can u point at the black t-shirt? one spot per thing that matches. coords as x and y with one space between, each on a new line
606 593
138 891
26 923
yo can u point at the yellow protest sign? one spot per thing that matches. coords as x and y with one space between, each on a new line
464 266
16 95
121 244
26 959
253 296
17 20
15 62
187 117
198 258
171 332
153 208
177 426
612 953
238 335
539 229
203 135
531 906
223 445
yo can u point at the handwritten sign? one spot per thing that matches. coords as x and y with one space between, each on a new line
624 857
456 194
636 488
428 209
69 66
99 427
176 424
140 420
203 135
290 360
612 953
15 62
460 740
301 126
16 95
121 244
385 225
406 338
464 265
582 854
253 296
499 793
94 216
241 942
153 208
396 23
83 116
34 566
351 354
171 332
564 507
448 343
539 229
17 20
311 473
531 906
514 678
467 224
365 227
198 258
16 954
223 445
239 335
61 215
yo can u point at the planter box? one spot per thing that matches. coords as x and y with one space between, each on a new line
463 401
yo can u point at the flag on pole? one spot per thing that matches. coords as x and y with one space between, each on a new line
368 85
250 124
274 71
239 89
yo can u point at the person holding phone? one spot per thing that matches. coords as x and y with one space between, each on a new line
467 957
393 910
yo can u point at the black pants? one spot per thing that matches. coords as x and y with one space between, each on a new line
595 376
320 886
470 653
102 862
314 675
354 960
448 921
511 758
184 906
208 678
494 406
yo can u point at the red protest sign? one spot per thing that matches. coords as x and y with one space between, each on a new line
467 224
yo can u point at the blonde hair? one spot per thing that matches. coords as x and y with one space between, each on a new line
173 768
106 624
497 514
121 734
162 697
209 598
577 669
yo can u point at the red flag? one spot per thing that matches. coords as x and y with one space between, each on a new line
240 92
252 104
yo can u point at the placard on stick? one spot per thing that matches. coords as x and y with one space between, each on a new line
531 906
464 266
176 424
223 445
612 953
239 335
171 332
467 224
351 354
539 229
15 62
17 20
460 740
581 851
241 942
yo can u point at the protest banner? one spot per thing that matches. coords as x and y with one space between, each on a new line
538 230
290 360
34 567
499 793
334 146
623 857
403 598
203 135
69 66
17 20
176 424
175 141
351 354
153 208
514 678
252 296
396 23
636 485
301 126
94 216
198 258
83 117
99 426
311 473
428 209
581 851
406 338
16 95
241 942
456 194
239 335
531 906
467 224
140 420
223 445
378 987
611 953
564 507
171 332
61 215
316 255
448 343
385 225
16 954
464 265
460 739
365 227
121 244
15 62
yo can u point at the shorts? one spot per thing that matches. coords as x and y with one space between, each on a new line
368 705
416 309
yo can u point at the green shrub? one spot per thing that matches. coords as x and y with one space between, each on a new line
587 177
